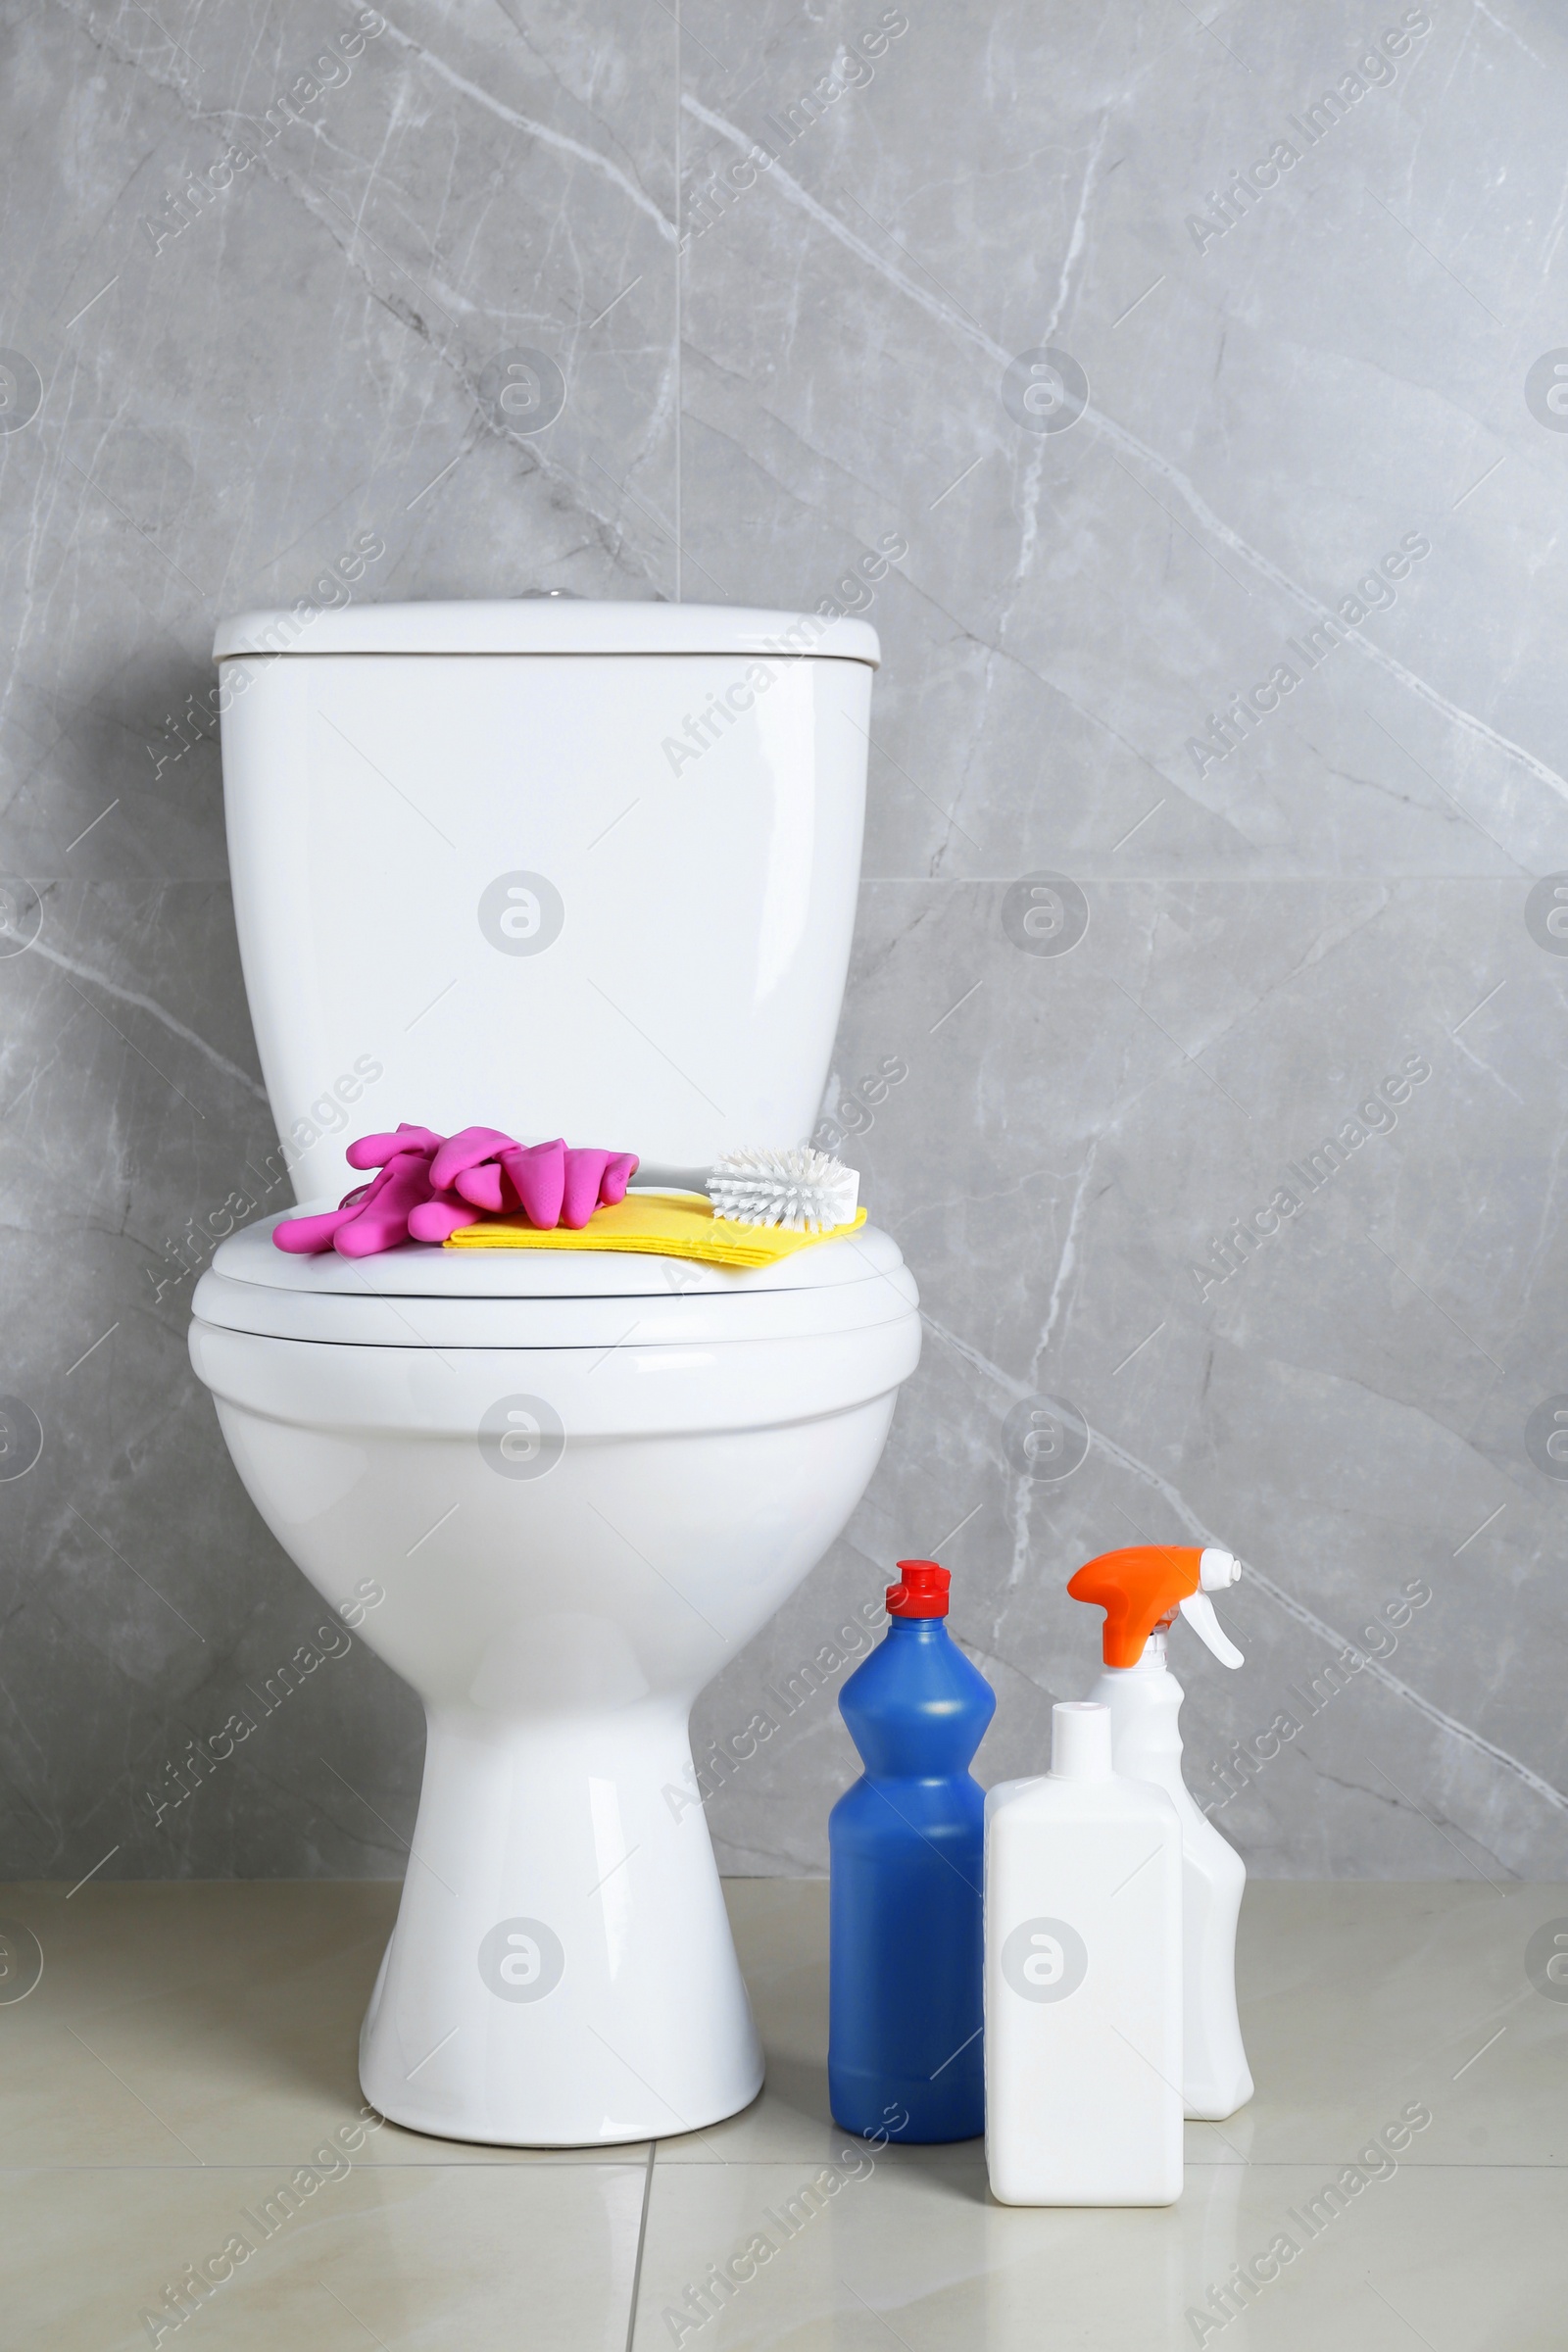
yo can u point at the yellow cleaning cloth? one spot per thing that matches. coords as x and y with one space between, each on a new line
653 1225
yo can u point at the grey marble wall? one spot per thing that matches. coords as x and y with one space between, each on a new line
1220 765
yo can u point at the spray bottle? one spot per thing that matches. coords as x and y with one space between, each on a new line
1143 1590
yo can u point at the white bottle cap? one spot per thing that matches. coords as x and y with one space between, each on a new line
1080 1740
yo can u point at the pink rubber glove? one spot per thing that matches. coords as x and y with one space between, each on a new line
584 1172
375 1216
538 1178
308 1237
433 1219
374 1150
470 1149
486 1186
431 1184
463 1162
549 1182
383 1220
556 1186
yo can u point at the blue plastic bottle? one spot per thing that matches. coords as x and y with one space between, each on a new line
906 2050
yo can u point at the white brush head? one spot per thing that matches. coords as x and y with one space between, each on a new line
802 1189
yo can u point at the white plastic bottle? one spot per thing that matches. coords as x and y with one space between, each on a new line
1083 1980
1141 1590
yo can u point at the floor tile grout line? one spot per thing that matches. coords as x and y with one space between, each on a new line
591 2161
642 2241
1205 2164
44 2168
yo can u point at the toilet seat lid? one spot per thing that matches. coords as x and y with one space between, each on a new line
423 1295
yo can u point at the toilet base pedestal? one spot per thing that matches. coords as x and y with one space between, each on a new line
562 1972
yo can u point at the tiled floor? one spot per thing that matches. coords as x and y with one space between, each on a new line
189 2047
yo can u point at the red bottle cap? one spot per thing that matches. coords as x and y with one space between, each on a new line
921 1592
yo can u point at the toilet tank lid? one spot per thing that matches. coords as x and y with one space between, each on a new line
546 624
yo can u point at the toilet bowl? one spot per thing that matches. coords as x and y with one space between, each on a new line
555 1490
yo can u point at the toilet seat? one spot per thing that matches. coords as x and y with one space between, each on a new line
424 1297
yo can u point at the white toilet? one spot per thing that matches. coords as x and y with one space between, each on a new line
581 870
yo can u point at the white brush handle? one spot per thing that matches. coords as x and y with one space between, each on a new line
651 1176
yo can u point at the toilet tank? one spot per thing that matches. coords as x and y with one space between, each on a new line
548 865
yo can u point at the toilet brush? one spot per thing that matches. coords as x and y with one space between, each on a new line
803 1189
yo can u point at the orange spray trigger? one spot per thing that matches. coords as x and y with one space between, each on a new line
1138 1588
